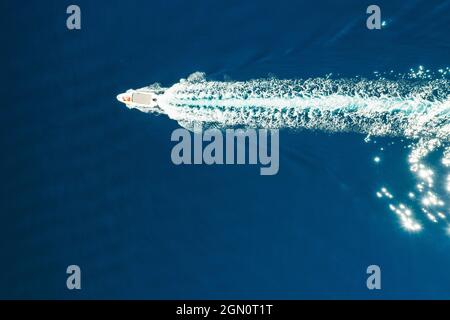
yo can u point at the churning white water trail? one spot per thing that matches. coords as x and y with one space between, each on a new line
415 106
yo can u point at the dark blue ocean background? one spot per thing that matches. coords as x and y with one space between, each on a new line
86 181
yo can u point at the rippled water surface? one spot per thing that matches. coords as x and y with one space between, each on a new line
364 150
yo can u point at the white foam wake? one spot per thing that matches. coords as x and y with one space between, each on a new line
410 108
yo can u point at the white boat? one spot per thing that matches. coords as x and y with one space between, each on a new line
144 97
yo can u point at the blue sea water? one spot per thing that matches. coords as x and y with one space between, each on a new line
87 181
